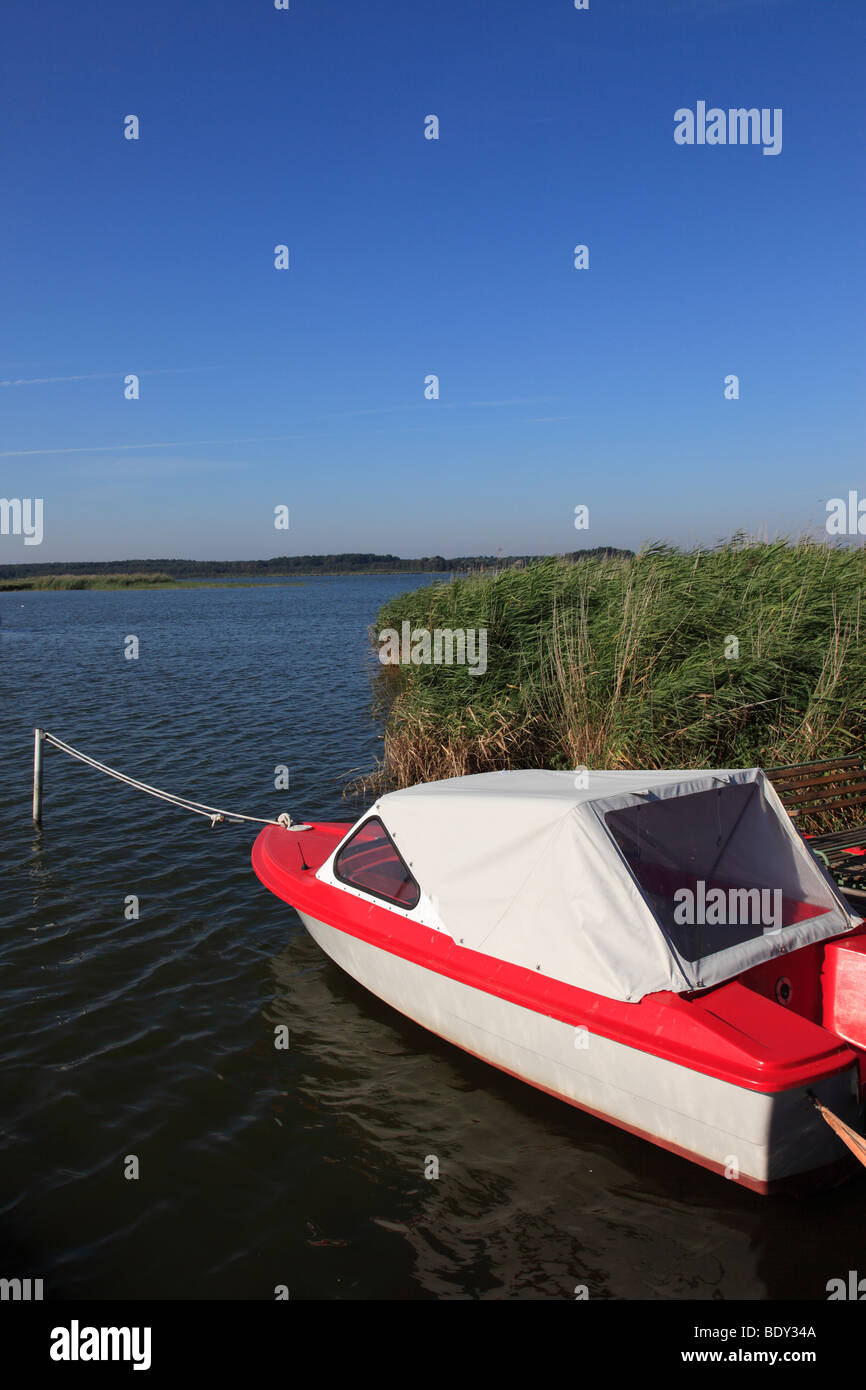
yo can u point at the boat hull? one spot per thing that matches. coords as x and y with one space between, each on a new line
769 1141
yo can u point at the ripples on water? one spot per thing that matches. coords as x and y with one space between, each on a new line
155 1037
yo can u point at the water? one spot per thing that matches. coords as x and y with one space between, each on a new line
155 1037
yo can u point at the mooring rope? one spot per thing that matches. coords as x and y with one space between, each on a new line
198 808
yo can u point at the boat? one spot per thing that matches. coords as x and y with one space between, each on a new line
659 949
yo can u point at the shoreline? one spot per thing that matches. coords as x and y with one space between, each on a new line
102 585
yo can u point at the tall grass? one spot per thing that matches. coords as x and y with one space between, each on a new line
620 662
87 581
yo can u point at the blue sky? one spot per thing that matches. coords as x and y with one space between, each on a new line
410 257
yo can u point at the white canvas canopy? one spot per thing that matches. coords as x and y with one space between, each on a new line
585 882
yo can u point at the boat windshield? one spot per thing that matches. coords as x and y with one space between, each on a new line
369 860
718 869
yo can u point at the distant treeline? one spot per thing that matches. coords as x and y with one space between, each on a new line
295 564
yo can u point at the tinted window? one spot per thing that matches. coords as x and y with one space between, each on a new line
370 861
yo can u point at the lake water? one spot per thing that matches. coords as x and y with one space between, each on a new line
155 1037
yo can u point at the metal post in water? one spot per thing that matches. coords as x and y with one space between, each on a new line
38 740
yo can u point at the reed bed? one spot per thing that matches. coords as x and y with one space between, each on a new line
87 581
745 654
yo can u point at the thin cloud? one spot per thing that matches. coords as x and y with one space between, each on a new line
105 376
256 438
163 444
45 380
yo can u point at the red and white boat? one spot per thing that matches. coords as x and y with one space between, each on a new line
660 949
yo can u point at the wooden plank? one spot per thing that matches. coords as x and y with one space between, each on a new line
851 863
832 779
835 779
831 806
842 851
840 839
796 768
807 800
